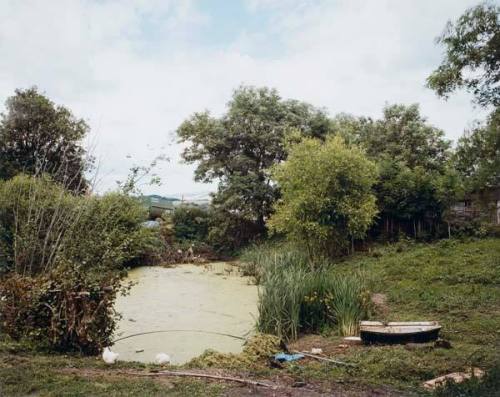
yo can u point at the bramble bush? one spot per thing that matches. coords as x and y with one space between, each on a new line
67 309
44 224
62 260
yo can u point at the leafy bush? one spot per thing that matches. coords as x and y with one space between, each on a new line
43 224
62 261
109 234
68 309
190 223
327 197
296 297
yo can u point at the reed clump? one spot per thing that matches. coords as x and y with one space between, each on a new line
297 296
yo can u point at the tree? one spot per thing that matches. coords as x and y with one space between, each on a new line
413 159
477 156
408 198
238 148
472 59
404 135
39 137
326 195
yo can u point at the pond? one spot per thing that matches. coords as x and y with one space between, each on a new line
193 303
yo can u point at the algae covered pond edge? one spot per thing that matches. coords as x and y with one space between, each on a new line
209 306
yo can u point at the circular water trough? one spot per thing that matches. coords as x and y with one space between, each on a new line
372 332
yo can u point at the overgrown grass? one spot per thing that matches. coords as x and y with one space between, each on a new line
255 259
454 282
73 375
297 296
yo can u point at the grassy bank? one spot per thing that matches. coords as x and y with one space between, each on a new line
455 283
25 372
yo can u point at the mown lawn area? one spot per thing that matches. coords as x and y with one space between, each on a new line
454 282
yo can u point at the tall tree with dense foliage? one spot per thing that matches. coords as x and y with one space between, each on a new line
473 62
327 196
416 183
403 134
477 156
238 148
37 137
472 57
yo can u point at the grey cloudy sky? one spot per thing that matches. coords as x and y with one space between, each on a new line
135 69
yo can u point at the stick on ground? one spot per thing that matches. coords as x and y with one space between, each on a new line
325 359
198 375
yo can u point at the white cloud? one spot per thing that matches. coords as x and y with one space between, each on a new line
136 69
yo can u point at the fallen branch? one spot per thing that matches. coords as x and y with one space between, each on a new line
198 375
324 359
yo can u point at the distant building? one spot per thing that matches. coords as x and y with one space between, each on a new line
158 205
202 203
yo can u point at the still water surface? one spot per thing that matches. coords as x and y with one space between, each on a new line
212 297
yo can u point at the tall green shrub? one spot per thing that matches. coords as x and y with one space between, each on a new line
62 259
190 223
36 215
109 233
44 224
326 195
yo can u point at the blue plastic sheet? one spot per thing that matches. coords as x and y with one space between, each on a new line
282 357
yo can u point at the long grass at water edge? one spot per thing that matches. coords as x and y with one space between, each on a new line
256 259
333 300
281 294
350 302
296 297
